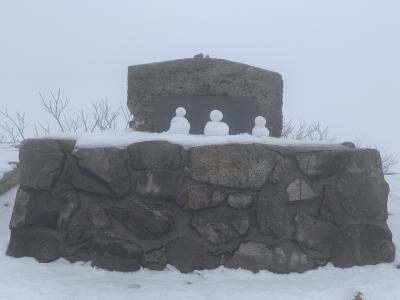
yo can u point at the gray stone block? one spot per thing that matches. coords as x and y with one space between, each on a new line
203 77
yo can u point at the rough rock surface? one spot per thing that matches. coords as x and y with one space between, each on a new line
203 77
284 209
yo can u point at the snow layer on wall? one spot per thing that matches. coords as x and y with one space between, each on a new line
122 139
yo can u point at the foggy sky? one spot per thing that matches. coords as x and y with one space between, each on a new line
340 60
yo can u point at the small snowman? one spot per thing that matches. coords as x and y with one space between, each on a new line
215 127
179 124
259 129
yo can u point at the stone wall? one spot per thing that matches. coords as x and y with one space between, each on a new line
252 206
203 77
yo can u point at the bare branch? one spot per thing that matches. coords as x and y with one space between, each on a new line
287 129
104 117
83 119
128 117
72 124
56 107
389 161
304 130
13 126
45 129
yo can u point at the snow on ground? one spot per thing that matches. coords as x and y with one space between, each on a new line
8 154
24 278
124 138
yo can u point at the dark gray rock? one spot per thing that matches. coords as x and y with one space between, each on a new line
41 161
113 255
37 208
214 231
239 200
187 255
253 256
333 206
313 235
280 170
362 186
203 77
300 189
283 258
318 164
349 144
271 214
98 217
162 184
288 257
221 226
34 241
362 244
155 259
145 220
197 196
112 169
247 166
82 180
155 155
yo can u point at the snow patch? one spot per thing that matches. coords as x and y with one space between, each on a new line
8 158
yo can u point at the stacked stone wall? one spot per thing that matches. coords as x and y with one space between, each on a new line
252 206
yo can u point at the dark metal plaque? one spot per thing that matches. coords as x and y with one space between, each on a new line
239 112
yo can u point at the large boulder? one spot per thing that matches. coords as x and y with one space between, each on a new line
362 244
362 186
248 166
41 161
155 155
112 171
282 258
188 255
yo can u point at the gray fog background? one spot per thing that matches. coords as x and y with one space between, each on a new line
340 60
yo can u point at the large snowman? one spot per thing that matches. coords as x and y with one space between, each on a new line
215 127
179 124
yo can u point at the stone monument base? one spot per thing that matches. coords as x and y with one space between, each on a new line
252 206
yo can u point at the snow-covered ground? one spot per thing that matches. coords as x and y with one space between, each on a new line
24 278
8 155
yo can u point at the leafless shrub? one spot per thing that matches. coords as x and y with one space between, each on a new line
128 117
101 117
389 161
104 117
12 127
44 129
56 106
304 130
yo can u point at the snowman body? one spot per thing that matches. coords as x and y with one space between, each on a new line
179 124
215 127
259 129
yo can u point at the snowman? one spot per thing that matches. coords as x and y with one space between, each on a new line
215 127
259 129
179 124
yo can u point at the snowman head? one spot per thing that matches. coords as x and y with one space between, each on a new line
260 121
180 112
216 115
